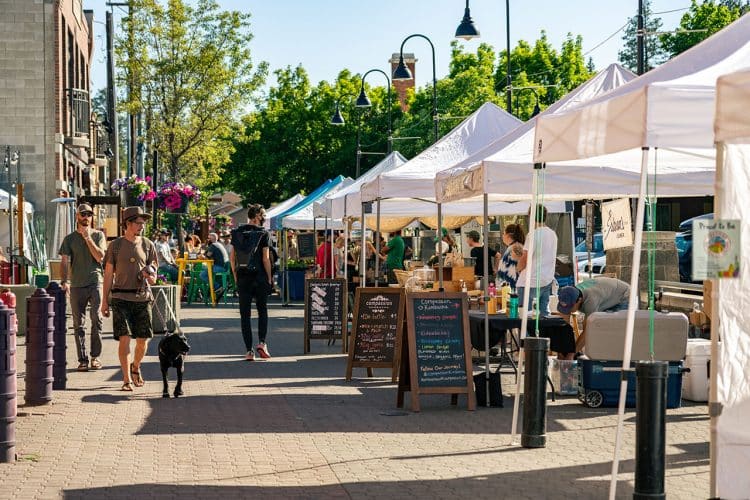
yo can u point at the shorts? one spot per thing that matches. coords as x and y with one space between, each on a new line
131 318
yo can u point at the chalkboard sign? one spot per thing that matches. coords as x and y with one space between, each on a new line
306 245
376 330
325 310
439 349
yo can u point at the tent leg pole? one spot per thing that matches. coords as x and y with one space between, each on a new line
526 292
713 393
377 247
363 249
485 283
632 306
440 245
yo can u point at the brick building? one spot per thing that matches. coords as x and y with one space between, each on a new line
45 61
403 86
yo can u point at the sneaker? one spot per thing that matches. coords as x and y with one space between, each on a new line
249 356
95 364
262 349
83 366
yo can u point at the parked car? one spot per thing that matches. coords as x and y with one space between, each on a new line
598 259
684 243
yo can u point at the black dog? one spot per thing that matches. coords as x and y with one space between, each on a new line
172 351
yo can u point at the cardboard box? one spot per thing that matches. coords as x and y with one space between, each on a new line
699 319
707 295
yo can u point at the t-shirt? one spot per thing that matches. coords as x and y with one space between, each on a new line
218 253
163 253
323 259
394 259
507 270
132 257
84 270
478 254
601 294
545 248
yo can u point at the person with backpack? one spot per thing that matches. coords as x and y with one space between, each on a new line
250 259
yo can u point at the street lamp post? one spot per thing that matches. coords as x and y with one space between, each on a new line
337 119
364 102
467 31
403 73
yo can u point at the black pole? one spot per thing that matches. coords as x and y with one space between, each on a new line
154 182
434 79
114 162
534 392
359 147
650 429
640 39
509 80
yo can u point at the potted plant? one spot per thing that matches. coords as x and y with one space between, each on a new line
220 223
174 197
134 190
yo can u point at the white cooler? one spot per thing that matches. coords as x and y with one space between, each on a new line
695 382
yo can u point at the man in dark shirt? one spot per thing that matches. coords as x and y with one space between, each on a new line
477 251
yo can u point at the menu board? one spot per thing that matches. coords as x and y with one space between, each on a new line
376 329
325 310
439 350
306 245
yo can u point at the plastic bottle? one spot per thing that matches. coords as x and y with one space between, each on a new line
504 296
491 290
513 305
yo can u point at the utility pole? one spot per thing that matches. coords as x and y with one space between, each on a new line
114 136
640 38
132 131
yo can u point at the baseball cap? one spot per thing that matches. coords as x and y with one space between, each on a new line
567 298
164 230
83 208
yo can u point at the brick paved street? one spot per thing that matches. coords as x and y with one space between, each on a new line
292 427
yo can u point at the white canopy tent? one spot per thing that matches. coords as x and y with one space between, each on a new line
730 377
347 202
503 169
669 108
415 178
280 208
305 218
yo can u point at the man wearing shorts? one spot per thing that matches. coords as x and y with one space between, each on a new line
129 270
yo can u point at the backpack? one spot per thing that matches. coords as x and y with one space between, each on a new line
245 241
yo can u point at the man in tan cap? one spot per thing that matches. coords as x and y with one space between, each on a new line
129 270
81 255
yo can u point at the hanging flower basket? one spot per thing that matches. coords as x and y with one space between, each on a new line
134 190
174 197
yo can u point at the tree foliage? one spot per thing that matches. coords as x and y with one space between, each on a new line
709 16
189 69
288 145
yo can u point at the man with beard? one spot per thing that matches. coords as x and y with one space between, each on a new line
81 252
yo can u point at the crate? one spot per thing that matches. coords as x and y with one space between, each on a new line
599 383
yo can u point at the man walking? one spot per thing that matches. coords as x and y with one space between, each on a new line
129 270
251 266
82 252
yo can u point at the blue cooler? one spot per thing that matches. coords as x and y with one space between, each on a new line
599 371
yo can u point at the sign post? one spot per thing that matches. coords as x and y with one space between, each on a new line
377 330
325 311
437 354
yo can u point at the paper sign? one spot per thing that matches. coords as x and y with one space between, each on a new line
716 249
617 226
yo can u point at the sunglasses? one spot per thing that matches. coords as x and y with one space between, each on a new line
86 214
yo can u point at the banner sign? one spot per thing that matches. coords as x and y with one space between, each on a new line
617 226
716 249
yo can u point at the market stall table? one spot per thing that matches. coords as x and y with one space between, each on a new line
182 263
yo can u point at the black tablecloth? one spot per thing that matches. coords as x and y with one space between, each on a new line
555 328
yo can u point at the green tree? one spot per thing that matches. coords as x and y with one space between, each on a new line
191 73
653 53
709 16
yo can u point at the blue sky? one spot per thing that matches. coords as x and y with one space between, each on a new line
326 36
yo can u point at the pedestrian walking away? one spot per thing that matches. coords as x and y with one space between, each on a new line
129 271
81 255
251 266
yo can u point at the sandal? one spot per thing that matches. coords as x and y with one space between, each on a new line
127 387
136 376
